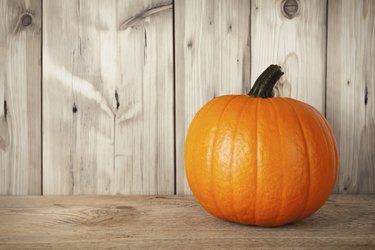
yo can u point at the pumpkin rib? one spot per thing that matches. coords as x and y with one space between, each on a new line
234 212
328 141
333 144
213 148
308 159
319 123
257 163
195 123
281 207
242 198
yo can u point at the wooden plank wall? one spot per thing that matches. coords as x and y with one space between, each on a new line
297 44
108 97
20 97
350 91
122 80
78 92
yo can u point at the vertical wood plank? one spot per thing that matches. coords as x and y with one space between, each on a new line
350 91
20 97
108 98
212 46
79 76
297 44
144 152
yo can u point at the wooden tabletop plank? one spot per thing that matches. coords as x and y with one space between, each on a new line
171 222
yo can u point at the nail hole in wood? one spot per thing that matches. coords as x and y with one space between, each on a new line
26 19
366 95
290 8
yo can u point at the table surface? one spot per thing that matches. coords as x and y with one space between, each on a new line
173 222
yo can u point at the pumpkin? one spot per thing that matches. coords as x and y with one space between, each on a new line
258 159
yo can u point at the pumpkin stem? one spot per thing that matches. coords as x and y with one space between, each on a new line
263 86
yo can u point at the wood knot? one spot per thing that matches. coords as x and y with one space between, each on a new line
230 27
75 109
117 100
26 19
5 109
290 8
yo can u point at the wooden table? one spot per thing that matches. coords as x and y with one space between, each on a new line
173 222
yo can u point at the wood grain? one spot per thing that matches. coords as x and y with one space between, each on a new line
173 222
20 97
297 44
108 99
144 129
212 44
79 50
350 91
108 91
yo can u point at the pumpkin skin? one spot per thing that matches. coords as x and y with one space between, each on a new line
260 161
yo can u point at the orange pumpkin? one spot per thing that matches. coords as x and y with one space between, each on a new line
258 160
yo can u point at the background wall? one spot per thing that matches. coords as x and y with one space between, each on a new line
97 95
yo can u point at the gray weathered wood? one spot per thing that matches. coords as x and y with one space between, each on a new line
144 149
297 44
20 97
79 77
108 85
351 90
170 222
108 99
212 43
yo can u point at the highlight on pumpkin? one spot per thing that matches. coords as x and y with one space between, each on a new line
259 160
